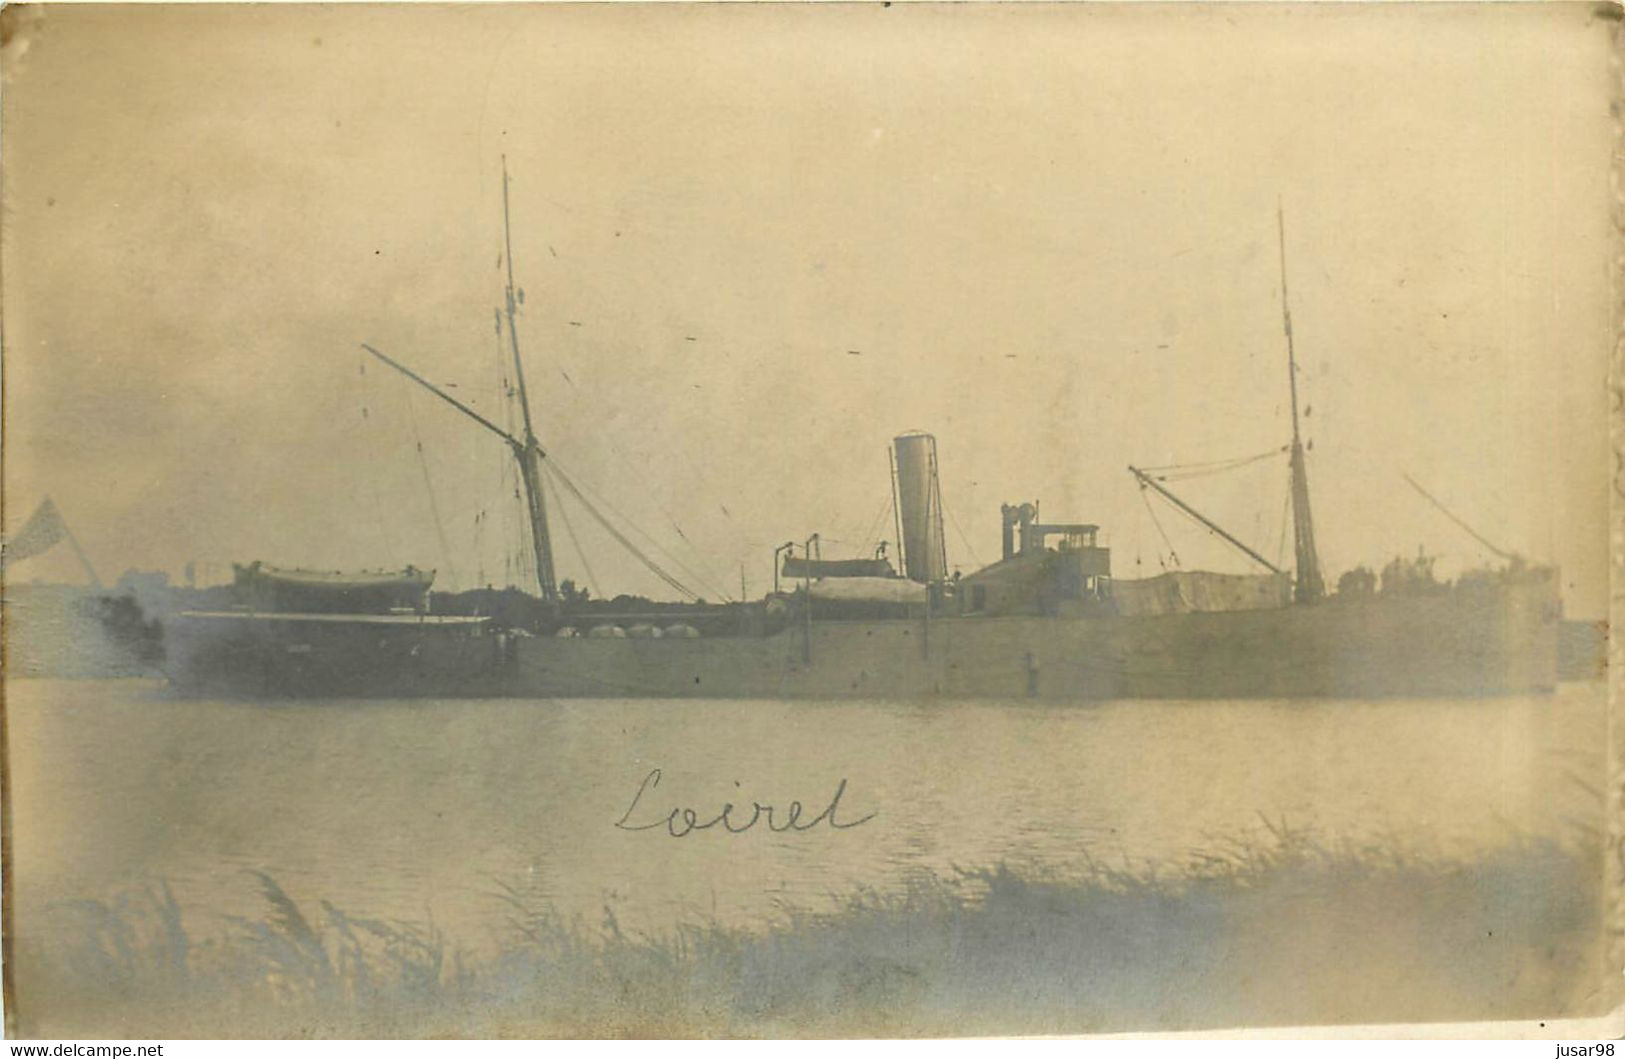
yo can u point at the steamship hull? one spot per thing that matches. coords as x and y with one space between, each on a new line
312 655
1501 641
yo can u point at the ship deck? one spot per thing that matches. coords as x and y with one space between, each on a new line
348 619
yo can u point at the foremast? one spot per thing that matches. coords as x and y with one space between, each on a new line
527 450
1308 586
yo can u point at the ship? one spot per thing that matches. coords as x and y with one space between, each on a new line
1049 621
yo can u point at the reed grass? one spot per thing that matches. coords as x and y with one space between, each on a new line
1284 929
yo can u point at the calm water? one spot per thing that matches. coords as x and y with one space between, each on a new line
417 809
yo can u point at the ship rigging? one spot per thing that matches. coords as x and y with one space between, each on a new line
1048 620
1308 585
536 471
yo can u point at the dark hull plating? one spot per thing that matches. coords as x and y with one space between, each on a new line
293 659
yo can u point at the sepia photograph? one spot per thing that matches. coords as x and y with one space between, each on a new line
807 520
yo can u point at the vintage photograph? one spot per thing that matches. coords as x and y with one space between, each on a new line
806 520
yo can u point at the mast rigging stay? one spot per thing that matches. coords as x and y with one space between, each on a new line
1453 517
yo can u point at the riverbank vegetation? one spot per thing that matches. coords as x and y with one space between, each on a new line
1286 930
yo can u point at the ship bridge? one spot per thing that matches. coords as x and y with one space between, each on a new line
1047 568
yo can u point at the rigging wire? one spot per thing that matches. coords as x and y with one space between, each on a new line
522 555
1155 521
385 537
1195 521
965 540
1280 546
709 575
1500 553
1139 537
870 539
518 558
1175 472
697 578
650 492
428 485
1261 507
570 531
706 580
609 527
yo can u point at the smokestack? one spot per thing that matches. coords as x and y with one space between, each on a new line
919 503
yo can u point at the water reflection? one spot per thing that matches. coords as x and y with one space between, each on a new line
413 809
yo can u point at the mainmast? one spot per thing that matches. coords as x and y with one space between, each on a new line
529 451
1309 586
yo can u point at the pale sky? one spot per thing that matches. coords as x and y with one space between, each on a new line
1047 232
